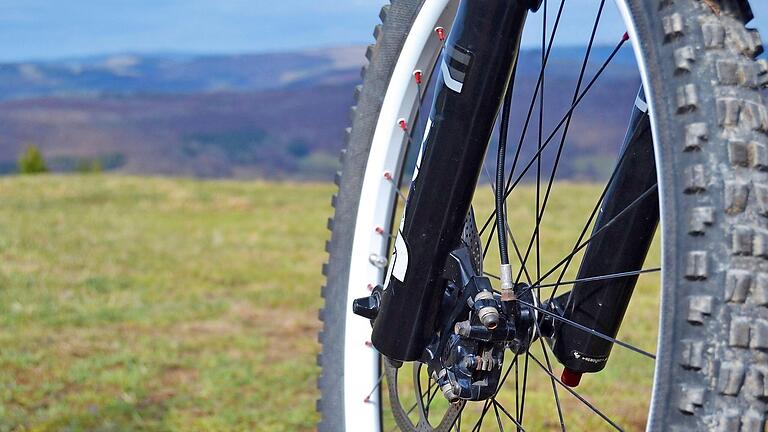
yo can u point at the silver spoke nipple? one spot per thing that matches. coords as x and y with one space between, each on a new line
378 260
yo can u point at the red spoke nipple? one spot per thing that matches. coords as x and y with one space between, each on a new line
388 175
403 124
625 37
440 33
379 230
367 399
370 287
417 74
570 378
369 344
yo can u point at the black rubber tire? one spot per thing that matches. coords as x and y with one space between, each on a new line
711 129
382 56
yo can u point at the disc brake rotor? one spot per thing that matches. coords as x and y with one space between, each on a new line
401 414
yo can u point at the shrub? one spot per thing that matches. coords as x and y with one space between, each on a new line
31 161
298 148
89 166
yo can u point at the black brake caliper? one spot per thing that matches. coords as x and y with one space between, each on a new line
476 327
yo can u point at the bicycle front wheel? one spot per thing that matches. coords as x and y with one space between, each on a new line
697 63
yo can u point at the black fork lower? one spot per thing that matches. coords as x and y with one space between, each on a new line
620 247
474 71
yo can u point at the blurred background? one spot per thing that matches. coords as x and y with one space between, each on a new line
163 272
245 89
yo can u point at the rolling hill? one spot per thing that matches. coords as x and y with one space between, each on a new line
277 115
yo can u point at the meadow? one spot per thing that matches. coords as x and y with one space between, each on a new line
159 304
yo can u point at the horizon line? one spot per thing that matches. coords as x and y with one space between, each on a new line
223 53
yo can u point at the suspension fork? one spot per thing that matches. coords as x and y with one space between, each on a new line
620 247
474 71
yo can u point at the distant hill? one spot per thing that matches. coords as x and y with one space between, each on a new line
128 74
275 115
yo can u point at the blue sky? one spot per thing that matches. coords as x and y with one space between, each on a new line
47 29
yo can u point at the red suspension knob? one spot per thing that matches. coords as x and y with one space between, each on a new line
570 378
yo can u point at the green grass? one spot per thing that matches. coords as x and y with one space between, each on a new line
180 305
153 304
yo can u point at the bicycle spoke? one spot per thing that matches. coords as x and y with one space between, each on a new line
415 404
540 135
539 206
492 185
506 374
589 330
589 220
479 423
533 103
552 382
430 393
388 177
429 401
578 396
517 389
539 84
552 135
417 382
498 417
554 387
487 403
509 416
592 215
375 387
598 278
580 81
613 220
525 387
570 111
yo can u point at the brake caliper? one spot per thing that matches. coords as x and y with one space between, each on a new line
477 328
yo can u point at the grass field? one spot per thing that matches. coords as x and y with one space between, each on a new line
180 305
